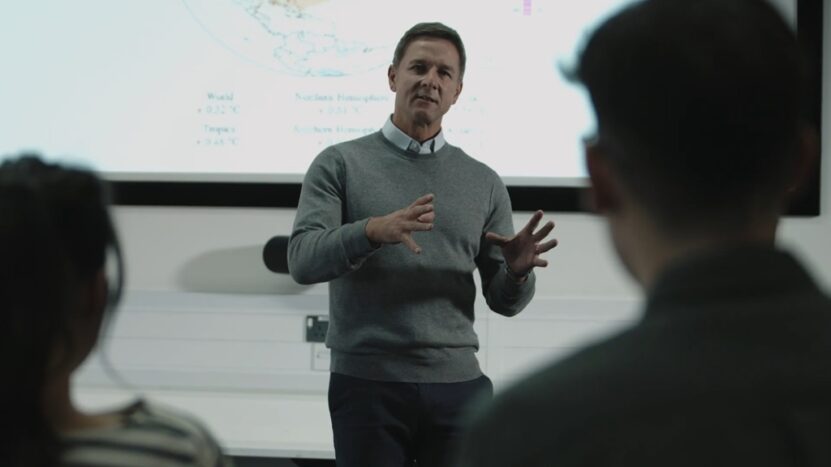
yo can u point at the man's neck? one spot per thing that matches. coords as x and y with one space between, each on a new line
63 415
650 251
418 131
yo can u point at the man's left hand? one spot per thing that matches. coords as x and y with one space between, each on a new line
522 251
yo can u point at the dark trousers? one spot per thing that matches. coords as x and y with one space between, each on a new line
383 424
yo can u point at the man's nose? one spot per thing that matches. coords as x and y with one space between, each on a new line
431 78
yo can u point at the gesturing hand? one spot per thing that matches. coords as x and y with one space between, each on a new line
398 226
522 251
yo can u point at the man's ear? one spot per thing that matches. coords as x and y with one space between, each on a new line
92 303
97 295
806 161
458 91
604 192
391 77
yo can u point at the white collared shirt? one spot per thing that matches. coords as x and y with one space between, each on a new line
403 140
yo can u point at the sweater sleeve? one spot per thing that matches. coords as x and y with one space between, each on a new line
502 294
321 247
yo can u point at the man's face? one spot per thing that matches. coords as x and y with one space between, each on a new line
426 83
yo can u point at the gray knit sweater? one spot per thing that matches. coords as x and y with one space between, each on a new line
396 315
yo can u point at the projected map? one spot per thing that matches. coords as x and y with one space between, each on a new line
253 90
298 37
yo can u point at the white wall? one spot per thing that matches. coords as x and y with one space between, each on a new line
185 262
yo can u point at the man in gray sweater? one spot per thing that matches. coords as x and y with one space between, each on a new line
396 222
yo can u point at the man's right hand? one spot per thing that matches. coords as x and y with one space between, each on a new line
398 226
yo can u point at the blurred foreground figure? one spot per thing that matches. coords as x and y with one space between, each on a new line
701 139
55 239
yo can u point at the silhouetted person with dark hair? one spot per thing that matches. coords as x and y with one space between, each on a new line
701 137
397 222
56 235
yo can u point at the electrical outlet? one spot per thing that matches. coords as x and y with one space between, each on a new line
316 327
321 357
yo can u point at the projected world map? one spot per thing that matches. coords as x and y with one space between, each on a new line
297 37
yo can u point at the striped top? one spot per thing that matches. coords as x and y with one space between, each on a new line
149 436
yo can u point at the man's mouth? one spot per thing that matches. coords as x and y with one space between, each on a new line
427 98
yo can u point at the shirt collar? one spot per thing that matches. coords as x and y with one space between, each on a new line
403 140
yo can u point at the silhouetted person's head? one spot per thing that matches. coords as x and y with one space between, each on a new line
55 236
699 106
